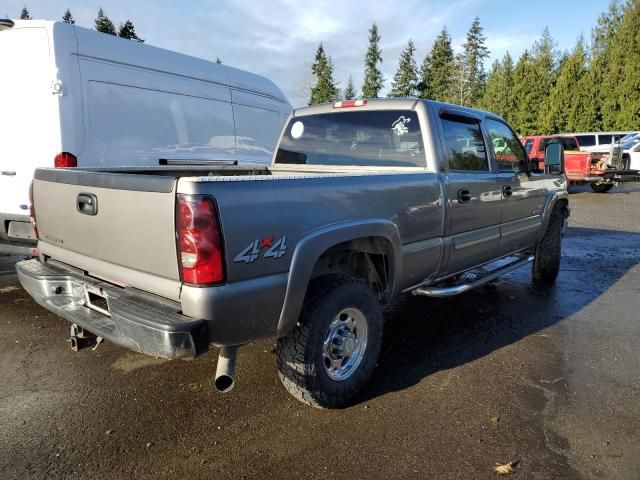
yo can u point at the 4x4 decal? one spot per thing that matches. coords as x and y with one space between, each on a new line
275 249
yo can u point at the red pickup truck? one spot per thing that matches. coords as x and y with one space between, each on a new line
580 167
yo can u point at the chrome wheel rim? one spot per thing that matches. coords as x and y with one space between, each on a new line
344 344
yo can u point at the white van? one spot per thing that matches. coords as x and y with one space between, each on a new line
76 97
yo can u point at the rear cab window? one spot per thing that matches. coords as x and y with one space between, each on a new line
570 144
382 138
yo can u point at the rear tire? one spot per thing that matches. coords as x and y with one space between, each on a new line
546 264
601 187
330 355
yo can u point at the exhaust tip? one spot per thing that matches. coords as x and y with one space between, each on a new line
224 383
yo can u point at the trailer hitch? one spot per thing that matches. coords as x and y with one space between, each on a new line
81 338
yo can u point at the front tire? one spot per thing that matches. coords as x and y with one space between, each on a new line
601 187
546 264
329 357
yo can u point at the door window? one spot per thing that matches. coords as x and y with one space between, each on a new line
510 156
587 140
464 144
528 145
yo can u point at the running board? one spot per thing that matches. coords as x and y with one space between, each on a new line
478 279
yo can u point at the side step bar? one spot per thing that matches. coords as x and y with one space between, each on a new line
436 291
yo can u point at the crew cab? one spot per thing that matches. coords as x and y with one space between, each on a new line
600 171
364 200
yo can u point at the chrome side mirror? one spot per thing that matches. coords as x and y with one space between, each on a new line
554 158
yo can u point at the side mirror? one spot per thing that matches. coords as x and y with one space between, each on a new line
6 24
554 158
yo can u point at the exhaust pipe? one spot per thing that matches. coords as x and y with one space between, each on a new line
226 369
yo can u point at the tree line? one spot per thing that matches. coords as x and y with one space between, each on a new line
593 87
102 24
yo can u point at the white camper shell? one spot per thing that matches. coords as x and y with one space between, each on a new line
109 102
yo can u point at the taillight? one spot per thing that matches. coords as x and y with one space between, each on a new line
32 210
350 103
65 160
199 240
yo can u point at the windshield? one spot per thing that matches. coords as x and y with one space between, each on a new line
384 138
631 143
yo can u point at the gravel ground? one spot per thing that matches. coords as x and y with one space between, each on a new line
549 378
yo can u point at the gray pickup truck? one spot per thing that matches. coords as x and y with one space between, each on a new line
364 200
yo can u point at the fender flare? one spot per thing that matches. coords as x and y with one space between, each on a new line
552 201
311 247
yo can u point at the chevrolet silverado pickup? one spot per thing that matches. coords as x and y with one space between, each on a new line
363 200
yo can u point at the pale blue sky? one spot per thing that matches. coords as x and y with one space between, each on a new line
278 38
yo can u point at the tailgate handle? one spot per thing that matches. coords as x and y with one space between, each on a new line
87 203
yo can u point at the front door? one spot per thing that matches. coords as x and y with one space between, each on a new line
473 194
523 194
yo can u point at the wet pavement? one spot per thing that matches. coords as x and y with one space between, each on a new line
546 377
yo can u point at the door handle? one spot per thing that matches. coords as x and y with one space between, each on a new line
87 203
464 196
507 191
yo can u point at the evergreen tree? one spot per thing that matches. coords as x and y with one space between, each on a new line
545 63
128 31
424 79
406 78
441 69
525 115
68 18
498 96
373 78
592 88
103 24
565 105
218 60
324 89
621 103
508 101
350 92
24 14
470 73
492 91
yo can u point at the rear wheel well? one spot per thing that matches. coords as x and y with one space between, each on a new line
369 259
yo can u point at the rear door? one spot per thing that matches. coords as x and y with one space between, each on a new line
29 120
116 227
472 192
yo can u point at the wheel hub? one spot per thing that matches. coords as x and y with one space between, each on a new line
345 344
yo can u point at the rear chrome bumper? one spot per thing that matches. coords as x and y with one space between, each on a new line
138 321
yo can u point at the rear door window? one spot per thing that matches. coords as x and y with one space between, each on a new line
464 144
387 138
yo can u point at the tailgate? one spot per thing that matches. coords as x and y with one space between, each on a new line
128 240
